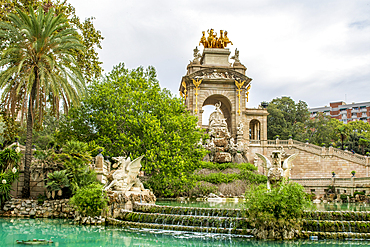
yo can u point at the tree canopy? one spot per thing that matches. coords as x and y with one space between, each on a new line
286 118
91 38
130 115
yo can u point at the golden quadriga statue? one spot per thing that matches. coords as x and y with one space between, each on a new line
124 188
212 41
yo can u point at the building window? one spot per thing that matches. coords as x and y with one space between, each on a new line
312 190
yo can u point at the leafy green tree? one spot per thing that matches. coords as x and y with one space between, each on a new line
363 143
39 68
359 127
130 115
319 130
286 118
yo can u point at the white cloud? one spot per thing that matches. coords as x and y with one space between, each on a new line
315 51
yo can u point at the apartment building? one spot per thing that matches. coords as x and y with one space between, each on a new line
345 112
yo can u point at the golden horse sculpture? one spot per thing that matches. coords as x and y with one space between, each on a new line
212 41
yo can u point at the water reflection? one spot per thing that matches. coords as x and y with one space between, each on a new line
64 233
343 206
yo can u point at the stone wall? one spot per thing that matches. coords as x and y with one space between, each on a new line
31 208
319 186
37 187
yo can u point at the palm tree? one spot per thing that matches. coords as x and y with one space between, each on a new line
38 69
342 131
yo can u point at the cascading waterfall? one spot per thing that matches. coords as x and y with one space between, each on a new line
325 224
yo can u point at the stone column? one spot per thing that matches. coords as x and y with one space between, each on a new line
330 150
99 168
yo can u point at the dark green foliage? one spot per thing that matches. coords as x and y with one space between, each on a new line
90 200
130 115
75 158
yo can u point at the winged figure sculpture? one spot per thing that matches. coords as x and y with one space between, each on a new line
274 170
126 176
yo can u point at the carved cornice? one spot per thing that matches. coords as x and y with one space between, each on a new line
216 74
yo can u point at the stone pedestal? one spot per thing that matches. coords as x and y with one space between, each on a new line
123 201
101 168
215 56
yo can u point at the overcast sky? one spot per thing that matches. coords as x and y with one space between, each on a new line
317 51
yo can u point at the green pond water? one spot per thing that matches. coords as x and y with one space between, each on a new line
240 204
63 233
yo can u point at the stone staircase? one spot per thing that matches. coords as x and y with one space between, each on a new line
321 151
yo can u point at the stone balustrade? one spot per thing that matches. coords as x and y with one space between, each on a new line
321 151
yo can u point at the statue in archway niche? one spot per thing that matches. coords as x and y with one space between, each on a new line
277 171
222 146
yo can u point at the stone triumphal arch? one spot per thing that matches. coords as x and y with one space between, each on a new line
237 132
210 79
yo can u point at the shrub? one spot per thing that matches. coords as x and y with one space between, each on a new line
278 209
219 177
224 166
203 189
6 180
57 180
9 160
90 200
